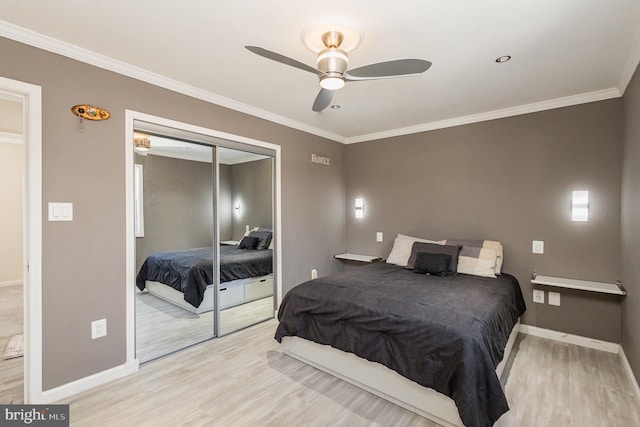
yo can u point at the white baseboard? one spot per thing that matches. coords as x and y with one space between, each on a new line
11 283
64 391
571 339
630 373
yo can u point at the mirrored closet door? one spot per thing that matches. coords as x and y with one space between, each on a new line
174 211
204 215
245 213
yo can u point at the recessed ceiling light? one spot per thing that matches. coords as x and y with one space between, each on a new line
335 106
502 59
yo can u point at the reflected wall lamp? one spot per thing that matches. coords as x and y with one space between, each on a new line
359 208
580 206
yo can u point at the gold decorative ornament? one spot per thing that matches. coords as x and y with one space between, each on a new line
90 112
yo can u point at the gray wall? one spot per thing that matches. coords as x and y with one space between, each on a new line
252 184
178 205
84 260
630 229
508 180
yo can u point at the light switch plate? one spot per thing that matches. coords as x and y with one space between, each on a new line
379 236
60 211
537 247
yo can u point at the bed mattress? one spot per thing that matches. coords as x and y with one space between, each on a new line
190 271
446 333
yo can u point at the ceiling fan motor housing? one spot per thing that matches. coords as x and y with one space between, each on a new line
333 60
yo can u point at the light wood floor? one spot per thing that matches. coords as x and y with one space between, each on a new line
162 327
11 320
244 380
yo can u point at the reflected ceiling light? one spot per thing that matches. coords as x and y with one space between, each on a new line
142 142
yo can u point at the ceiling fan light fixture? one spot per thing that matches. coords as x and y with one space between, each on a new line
142 142
332 81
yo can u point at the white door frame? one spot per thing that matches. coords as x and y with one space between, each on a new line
130 118
32 232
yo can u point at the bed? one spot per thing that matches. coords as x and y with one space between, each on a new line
185 277
434 345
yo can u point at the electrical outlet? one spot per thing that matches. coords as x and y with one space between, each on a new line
314 274
379 236
98 328
554 298
537 247
538 296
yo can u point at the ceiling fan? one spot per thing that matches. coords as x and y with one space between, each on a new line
332 62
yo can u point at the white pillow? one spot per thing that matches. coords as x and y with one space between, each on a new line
496 246
401 250
484 265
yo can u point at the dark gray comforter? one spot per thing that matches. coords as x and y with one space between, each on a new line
446 333
190 271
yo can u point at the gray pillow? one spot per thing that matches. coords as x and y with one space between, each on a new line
248 242
453 250
264 236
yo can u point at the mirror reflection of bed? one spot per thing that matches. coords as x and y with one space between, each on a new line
176 261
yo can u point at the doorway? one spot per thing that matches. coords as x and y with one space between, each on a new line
30 99
11 249
218 305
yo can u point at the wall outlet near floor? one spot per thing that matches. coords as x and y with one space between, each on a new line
379 236
554 298
538 296
314 274
98 328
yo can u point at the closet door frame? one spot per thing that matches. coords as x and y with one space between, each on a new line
131 117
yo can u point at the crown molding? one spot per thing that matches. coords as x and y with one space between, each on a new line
630 65
60 47
492 115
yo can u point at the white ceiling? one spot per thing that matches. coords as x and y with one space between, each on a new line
564 53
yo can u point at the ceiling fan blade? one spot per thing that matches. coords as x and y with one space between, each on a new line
323 100
282 59
388 69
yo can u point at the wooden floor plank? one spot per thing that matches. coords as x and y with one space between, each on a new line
244 380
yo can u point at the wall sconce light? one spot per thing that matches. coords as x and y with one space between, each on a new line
89 112
236 208
580 206
359 208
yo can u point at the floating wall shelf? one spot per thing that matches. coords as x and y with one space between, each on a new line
583 285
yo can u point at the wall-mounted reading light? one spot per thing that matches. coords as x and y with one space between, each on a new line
359 208
580 206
